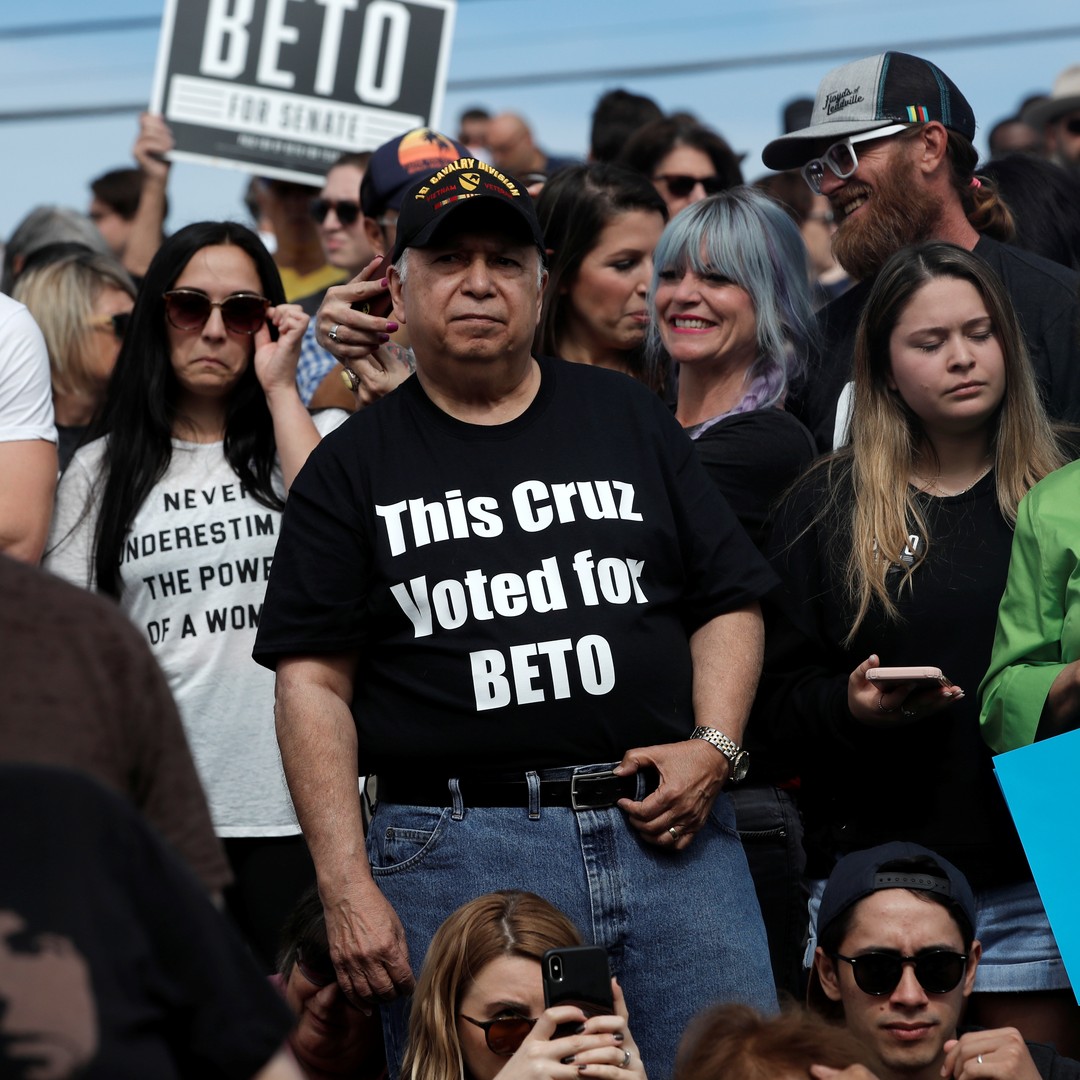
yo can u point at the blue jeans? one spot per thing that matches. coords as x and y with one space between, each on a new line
682 929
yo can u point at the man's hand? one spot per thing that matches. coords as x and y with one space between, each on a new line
367 945
1000 1054
691 775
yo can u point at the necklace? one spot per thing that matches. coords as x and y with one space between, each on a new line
927 485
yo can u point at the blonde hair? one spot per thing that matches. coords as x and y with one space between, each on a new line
887 437
509 923
61 295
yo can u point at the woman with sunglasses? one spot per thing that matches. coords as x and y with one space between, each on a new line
332 1037
894 553
82 301
601 223
174 511
685 160
478 1009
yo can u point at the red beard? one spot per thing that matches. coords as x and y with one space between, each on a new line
898 213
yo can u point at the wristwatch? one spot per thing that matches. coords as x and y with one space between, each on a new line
739 758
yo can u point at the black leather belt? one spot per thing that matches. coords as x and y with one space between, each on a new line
583 791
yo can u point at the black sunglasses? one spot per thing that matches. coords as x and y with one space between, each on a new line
1072 125
504 1034
189 309
680 186
347 211
316 967
115 324
879 973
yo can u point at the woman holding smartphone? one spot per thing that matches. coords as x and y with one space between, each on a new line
894 551
174 511
478 1010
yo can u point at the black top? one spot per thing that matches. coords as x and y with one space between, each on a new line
931 781
753 458
1045 295
520 595
111 954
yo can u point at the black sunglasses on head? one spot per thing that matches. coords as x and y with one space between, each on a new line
347 211
504 1034
189 309
938 970
680 186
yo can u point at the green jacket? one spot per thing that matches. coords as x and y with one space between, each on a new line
1038 630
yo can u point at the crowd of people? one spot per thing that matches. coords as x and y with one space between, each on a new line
500 553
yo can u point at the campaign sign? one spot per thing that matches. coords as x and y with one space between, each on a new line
282 87
1039 783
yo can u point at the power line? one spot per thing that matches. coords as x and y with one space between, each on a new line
78 29
694 67
650 71
119 24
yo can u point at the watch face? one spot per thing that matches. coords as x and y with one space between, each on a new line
740 766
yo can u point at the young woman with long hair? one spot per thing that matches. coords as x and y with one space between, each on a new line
174 510
894 552
478 1009
601 223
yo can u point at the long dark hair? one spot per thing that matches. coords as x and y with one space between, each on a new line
141 401
574 208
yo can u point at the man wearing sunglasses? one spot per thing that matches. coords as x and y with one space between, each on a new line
889 144
346 246
896 959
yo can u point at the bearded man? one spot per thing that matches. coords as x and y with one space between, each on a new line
890 145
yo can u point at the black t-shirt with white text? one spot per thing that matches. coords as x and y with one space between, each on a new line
520 595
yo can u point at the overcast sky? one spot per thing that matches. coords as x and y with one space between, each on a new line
52 161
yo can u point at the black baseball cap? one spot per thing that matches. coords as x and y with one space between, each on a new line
428 205
875 92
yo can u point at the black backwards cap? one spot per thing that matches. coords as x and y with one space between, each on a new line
876 92
860 874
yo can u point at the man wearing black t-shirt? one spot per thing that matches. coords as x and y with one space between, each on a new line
890 144
510 589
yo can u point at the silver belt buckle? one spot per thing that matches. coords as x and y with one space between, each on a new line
574 805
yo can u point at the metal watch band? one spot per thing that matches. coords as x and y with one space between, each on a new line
728 747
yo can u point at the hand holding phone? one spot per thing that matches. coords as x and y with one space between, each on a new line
381 305
578 975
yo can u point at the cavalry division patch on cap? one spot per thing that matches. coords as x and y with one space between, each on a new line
428 203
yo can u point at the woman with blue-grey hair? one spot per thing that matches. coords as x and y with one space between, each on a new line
732 308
